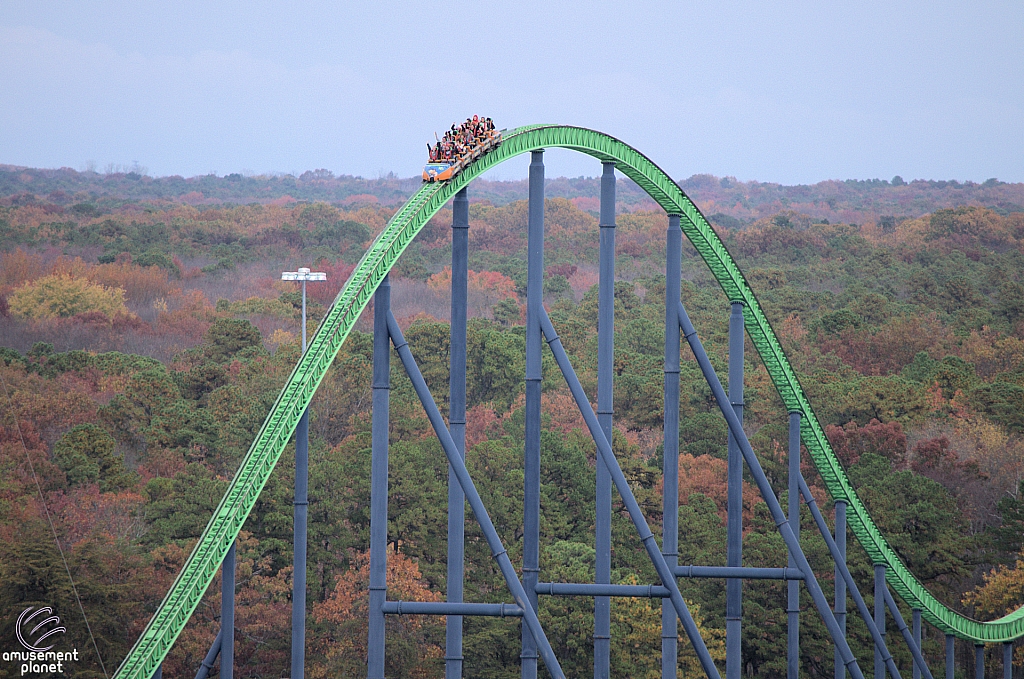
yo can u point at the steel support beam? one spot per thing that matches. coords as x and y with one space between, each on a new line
979 661
498 551
602 590
605 361
880 589
840 540
449 609
734 546
915 617
763 485
531 453
227 614
950 655
596 590
793 607
457 426
301 514
1008 660
745 572
670 449
379 479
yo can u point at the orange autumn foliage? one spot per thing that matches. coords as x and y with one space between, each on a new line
415 642
708 476
489 283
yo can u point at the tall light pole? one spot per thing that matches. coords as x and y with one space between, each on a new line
301 503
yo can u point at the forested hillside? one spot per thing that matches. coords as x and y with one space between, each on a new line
144 334
728 201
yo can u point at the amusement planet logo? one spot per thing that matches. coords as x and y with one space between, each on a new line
37 631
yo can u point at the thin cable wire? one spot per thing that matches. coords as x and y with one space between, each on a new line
46 510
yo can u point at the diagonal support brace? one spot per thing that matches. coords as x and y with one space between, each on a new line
774 507
851 586
207 664
498 550
604 449
908 635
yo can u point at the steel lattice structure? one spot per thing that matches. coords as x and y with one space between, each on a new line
370 278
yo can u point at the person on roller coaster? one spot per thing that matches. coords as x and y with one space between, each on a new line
461 139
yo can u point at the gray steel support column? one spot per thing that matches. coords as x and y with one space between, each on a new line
916 622
979 661
670 450
531 462
605 361
227 614
457 427
840 607
880 587
379 479
301 509
793 609
159 674
1008 660
734 587
950 655
301 514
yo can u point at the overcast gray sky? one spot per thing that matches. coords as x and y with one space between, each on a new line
793 92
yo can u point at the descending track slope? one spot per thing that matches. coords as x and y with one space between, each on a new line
255 469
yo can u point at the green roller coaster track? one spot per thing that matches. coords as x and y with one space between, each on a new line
255 469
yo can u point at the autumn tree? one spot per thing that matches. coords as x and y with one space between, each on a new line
59 296
413 642
86 454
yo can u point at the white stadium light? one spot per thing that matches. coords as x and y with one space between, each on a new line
303 274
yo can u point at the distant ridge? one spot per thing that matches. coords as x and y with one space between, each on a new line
729 202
